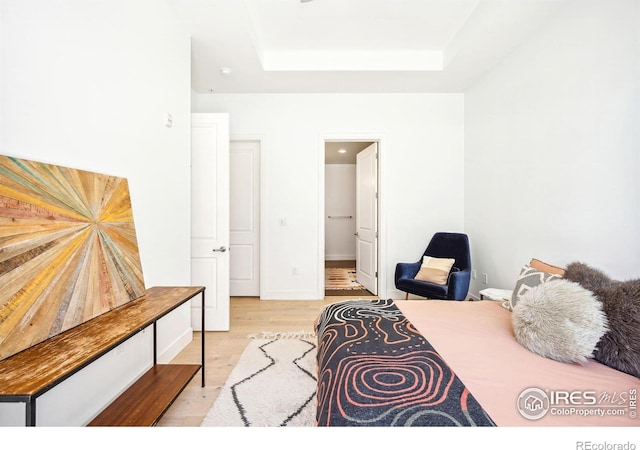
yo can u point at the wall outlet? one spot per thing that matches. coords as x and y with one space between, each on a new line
474 274
294 271
485 278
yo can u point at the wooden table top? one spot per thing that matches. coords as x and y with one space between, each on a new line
39 368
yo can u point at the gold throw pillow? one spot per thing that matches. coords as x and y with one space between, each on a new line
435 270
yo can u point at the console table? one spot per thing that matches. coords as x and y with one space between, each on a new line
27 375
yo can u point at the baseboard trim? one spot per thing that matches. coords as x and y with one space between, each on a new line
340 257
289 295
172 350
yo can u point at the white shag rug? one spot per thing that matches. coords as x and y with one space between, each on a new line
272 385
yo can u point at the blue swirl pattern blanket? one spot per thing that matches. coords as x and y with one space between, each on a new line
376 369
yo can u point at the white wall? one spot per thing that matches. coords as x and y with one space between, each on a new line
340 204
553 148
86 85
421 174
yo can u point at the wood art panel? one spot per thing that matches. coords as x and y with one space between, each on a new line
68 250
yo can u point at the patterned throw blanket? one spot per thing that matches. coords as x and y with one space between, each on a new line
376 369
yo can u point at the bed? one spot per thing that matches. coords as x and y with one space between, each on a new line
445 363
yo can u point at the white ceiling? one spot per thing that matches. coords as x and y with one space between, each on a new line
332 154
352 45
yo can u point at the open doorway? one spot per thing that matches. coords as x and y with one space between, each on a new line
351 218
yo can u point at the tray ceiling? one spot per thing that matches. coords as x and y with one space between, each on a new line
351 45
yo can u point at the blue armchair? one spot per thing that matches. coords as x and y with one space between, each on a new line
442 245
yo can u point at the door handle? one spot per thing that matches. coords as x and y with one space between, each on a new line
356 234
221 249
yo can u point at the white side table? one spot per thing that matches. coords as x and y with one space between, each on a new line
495 294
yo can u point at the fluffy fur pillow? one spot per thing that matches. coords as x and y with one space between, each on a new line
559 320
588 277
528 279
620 346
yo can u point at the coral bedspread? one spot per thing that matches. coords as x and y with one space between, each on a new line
404 363
376 369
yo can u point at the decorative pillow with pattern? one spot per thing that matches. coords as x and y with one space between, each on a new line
528 279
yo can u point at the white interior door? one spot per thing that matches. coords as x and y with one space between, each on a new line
244 223
210 218
367 218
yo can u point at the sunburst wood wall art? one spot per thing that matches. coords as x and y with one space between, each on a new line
68 250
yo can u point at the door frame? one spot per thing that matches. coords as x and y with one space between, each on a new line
260 139
382 229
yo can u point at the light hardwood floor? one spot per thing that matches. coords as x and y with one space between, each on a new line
248 315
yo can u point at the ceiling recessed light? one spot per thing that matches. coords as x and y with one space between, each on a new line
342 151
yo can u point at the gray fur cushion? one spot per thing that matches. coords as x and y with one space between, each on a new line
588 277
620 346
559 320
528 279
